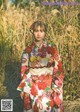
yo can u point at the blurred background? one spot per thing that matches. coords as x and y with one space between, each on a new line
63 28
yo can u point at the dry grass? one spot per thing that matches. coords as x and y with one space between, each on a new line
72 106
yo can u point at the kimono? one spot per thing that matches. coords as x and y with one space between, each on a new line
42 78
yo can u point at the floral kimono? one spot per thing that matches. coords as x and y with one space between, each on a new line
42 78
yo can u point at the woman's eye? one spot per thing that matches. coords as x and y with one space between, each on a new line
36 31
41 31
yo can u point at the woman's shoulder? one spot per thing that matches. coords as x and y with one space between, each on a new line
29 48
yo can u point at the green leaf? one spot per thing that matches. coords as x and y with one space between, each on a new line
59 72
48 103
47 89
53 85
29 84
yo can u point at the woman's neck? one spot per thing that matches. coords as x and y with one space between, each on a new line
39 43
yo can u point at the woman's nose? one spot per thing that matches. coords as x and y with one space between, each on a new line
38 33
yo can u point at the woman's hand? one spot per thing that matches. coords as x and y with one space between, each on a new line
22 95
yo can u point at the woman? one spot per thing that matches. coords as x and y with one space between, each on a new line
42 75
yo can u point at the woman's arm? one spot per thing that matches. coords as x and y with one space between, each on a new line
58 77
24 69
58 68
24 64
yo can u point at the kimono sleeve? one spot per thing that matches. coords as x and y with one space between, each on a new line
24 64
58 75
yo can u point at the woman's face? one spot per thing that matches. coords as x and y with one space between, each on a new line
39 34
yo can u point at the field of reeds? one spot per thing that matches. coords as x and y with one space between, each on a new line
63 25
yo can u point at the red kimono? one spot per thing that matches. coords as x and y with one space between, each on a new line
42 78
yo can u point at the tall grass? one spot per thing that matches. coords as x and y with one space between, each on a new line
63 29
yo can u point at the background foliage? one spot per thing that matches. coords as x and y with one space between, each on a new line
63 24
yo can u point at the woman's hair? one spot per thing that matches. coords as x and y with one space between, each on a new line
35 25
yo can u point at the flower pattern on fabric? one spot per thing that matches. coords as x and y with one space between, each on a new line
42 85
34 91
45 90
